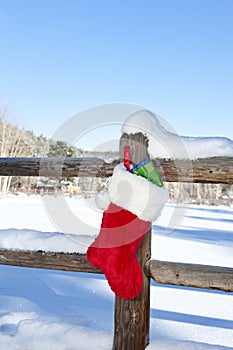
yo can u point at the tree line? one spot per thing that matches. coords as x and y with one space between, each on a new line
18 142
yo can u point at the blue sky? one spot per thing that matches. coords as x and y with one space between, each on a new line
174 57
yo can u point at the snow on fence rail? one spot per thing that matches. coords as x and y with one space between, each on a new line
131 316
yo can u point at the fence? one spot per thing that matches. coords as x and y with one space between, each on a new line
131 320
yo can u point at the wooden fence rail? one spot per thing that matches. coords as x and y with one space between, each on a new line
131 320
208 170
179 274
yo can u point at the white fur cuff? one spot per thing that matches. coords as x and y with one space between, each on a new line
136 194
102 199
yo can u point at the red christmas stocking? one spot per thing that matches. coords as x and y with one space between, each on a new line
134 204
114 250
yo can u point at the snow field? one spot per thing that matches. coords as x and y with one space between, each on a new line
74 311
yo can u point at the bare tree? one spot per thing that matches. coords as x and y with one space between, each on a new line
13 143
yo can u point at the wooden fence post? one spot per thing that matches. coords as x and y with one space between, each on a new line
132 316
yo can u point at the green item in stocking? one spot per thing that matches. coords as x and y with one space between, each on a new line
147 169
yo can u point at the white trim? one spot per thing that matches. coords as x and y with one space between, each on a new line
136 194
102 199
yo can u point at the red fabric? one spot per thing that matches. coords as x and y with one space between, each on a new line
114 250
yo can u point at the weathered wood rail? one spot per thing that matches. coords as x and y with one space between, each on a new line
131 320
179 274
208 170
191 275
47 260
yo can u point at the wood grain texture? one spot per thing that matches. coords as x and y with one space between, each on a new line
132 316
191 275
47 260
208 170
179 274
56 167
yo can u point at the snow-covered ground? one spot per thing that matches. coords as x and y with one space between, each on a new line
43 309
